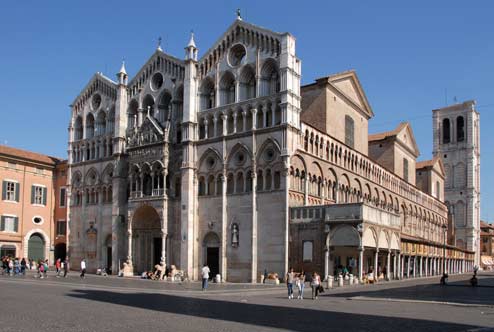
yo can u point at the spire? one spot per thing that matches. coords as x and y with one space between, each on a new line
122 74
191 49
192 43
239 16
159 44
122 69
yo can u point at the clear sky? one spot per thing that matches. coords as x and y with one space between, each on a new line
411 56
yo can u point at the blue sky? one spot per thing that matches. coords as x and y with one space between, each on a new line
411 57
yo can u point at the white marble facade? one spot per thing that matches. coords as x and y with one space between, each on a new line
187 162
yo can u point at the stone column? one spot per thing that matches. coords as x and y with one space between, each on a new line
402 266
415 266
224 228
394 266
420 265
254 225
326 263
273 112
254 118
408 266
264 117
244 120
224 118
361 264
206 129
388 265
215 126
376 259
163 248
234 122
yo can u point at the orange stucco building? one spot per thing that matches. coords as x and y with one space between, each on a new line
32 205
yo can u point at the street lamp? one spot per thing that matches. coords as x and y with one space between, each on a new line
445 276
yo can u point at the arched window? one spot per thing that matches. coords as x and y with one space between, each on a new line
349 131
229 184
227 89
247 83
101 123
460 129
207 94
202 186
240 182
132 114
260 180
446 131
248 182
270 81
78 128
211 185
164 107
89 126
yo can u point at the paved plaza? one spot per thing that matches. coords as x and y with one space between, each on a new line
120 304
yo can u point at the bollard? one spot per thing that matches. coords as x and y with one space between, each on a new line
218 278
340 280
330 282
350 279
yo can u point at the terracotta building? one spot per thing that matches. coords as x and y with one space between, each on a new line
487 245
30 204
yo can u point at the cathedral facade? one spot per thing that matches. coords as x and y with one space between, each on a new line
212 160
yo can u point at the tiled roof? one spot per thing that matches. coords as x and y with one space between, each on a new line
28 155
386 134
426 163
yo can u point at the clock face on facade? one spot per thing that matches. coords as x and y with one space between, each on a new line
96 102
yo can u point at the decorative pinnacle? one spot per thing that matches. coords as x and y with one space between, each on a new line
159 44
239 17
192 43
122 69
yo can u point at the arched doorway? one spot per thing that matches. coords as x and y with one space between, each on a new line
211 245
146 239
60 251
108 253
36 247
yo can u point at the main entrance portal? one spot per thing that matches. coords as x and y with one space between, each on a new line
212 259
146 239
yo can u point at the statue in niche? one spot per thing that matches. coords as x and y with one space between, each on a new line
234 235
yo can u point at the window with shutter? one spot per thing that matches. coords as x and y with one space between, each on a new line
9 224
2 224
44 196
4 190
16 224
17 192
10 191
405 169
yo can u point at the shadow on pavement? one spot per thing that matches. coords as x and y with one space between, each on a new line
294 319
456 291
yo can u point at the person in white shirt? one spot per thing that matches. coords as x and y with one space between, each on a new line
205 276
83 268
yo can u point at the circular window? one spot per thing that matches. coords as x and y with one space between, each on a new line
240 158
210 162
237 55
157 81
37 220
269 154
96 102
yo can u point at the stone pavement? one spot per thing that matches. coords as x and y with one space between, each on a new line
108 304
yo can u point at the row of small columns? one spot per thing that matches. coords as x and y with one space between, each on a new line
244 111
422 266
80 152
138 180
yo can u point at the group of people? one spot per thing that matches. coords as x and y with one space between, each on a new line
13 266
18 267
299 279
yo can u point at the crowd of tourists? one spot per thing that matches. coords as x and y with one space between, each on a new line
17 267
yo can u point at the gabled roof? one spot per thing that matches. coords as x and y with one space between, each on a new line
483 224
397 134
241 23
96 77
28 156
348 85
157 53
430 164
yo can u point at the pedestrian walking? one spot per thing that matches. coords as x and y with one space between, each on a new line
11 266
315 283
23 266
83 268
65 267
289 283
58 265
41 269
45 266
205 276
301 285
